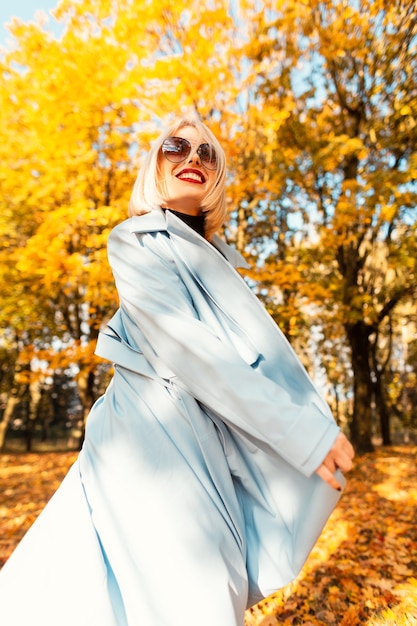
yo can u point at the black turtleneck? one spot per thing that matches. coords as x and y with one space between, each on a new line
196 222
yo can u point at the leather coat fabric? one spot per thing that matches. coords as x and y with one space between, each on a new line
195 494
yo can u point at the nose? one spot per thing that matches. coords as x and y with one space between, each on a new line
194 156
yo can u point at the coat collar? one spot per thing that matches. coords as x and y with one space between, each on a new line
158 220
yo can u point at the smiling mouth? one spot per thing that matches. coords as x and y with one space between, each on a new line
191 176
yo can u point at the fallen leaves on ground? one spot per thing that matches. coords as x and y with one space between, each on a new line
27 482
363 569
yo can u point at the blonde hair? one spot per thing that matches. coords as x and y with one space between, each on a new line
147 194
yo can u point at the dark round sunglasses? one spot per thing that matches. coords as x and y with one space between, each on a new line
177 149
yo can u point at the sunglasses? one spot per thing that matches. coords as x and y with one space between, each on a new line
177 149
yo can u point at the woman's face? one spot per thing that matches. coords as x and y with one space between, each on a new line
185 185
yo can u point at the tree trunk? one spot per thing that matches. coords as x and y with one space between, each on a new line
34 395
361 424
85 382
7 415
379 369
30 431
382 410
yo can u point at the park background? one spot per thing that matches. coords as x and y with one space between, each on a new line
315 103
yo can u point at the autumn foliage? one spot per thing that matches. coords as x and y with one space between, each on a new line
315 105
363 570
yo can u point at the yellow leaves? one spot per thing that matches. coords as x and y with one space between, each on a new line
59 247
393 472
388 212
405 612
284 275
337 148
406 110
352 147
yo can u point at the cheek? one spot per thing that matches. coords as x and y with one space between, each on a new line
211 183
171 184
171 188
165 180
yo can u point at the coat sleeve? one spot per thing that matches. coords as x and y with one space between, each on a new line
160 319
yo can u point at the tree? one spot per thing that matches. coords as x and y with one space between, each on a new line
73 110
314 105
345 74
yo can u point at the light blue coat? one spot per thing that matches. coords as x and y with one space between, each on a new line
188 317
195 494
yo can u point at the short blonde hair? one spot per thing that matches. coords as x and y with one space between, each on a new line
147 195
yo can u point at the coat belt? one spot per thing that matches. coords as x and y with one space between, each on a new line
112 348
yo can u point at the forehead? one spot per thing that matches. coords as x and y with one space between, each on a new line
189 132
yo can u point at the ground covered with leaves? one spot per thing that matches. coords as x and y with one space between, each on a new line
363 569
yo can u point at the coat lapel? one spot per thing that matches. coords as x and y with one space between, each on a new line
212 267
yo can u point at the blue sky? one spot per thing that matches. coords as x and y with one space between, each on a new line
25 9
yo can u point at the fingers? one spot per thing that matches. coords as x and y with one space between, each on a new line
343 443
342 453
340 456
339 460
328 477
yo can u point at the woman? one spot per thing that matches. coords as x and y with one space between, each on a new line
211 463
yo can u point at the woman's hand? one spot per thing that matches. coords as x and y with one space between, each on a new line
340 456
